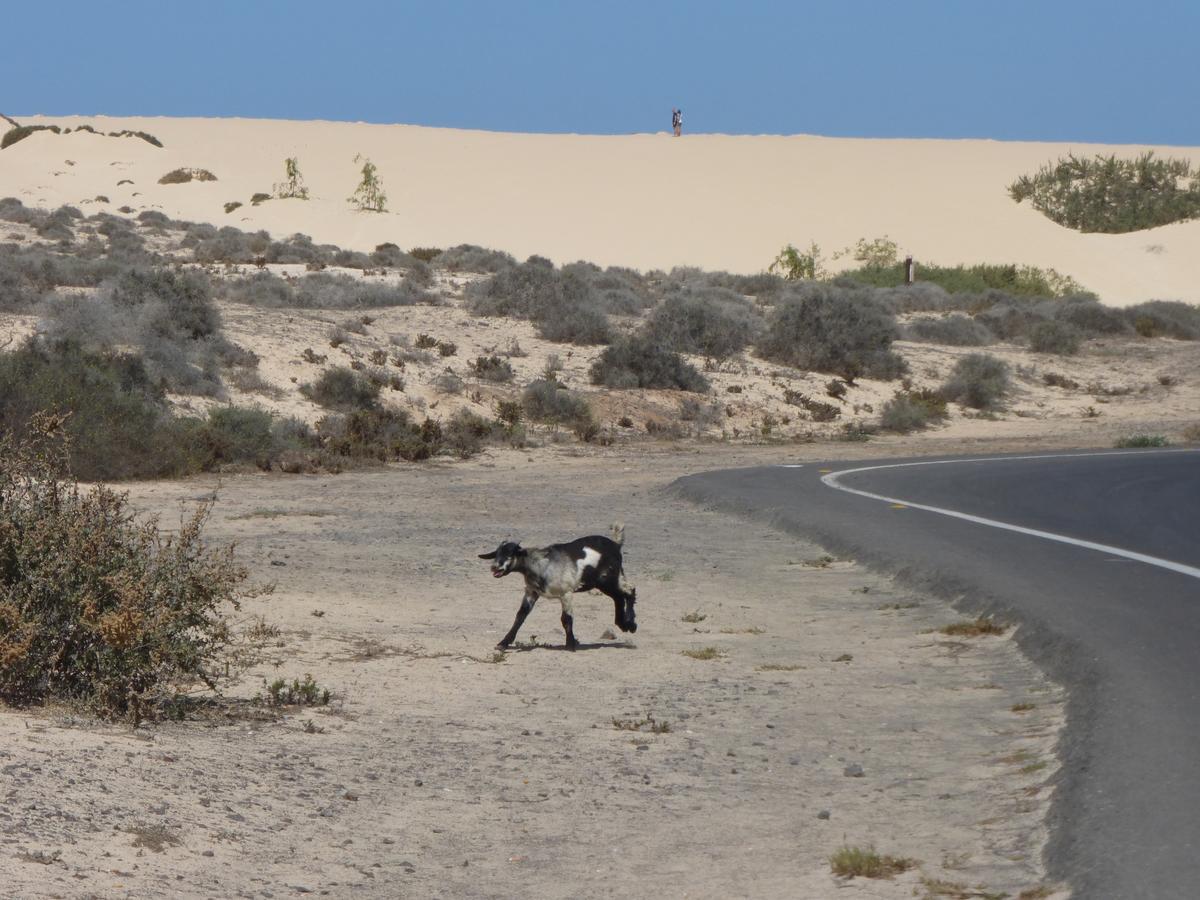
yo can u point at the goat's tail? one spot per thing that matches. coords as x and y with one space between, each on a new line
617 533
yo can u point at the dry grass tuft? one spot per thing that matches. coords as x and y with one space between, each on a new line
973 628
855 862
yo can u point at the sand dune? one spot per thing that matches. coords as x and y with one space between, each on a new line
644 200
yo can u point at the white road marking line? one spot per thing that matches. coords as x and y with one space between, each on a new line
832 480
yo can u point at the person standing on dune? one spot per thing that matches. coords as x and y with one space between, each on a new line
677 121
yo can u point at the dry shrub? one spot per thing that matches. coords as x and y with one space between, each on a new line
979 380
98 608
827 328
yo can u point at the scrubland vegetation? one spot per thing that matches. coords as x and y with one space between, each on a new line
129 325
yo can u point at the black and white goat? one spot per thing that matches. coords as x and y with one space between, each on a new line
560 570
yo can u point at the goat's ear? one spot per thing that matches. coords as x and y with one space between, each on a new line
491 555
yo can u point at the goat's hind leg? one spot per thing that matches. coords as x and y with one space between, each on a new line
526 605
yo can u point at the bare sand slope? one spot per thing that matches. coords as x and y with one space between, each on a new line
440 772
645 200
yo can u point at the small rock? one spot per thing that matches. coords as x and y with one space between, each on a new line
854 770
207 853
823 814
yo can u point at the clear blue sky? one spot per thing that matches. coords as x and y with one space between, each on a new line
1072 70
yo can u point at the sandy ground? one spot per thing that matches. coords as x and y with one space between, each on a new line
645 200
438 771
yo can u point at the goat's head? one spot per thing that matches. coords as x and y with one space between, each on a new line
504 558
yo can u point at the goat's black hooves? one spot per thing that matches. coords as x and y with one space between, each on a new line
574 646
502 646
632 627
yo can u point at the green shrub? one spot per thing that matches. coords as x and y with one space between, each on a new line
470 258
293 184
1024 281
1166 318
826 328
342 389
956 330
183 176
1112 195
425 254
979 380
97 608
794 265
912 410
640 361
492 368
1093 318
817 409
369 196
465 433
711 322
1140 439
234 434
20 132
116 418
563 306
549 402
1056 337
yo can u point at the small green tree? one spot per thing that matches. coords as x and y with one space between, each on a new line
794 265
878 253
369 195
293 187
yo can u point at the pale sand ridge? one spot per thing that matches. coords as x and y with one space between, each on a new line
644 200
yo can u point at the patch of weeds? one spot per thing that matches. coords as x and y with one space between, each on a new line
41 857
704 653
820 562
1033 767
845 657
912 410
492 368
1041 892
1142 440
911 604
311 727
155 838
819 410
264 513
649 723
1023 707
753 629
183 176
935 887
298 693
694 617
855 862
973 628
778 667
1053 379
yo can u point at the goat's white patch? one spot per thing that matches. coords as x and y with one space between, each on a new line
589 559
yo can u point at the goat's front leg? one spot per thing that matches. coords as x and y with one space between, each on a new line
527 602
568 622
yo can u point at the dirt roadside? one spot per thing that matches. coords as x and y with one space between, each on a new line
626 769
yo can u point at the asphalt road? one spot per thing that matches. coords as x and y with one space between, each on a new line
1115 616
